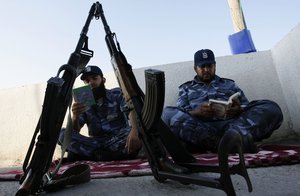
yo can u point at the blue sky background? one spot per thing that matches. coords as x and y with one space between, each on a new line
37 37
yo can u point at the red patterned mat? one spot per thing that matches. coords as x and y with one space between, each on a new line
268 155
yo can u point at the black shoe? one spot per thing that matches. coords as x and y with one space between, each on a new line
170 166
141 154
248 143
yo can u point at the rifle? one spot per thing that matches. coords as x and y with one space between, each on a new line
158 141
58 97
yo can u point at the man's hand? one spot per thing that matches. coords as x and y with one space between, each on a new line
203 111
234 110
133 143
77 109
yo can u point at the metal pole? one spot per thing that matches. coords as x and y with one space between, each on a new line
237 15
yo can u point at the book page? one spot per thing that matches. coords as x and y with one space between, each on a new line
234 96
219 109
220 106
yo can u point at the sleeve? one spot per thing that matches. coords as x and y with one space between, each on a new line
118 96
82 119
183 101
124 108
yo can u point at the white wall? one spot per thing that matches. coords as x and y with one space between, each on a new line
273 74
286 55
20 110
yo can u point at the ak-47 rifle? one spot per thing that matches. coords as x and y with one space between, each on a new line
58 97
157 139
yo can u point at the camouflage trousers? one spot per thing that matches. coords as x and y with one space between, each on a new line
113 147
260 118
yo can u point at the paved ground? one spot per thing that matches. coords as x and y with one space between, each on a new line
270 181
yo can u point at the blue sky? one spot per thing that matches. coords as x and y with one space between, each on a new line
37 37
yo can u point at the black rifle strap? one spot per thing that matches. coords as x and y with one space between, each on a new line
75 175
65 142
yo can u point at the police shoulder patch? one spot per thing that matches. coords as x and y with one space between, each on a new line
186 83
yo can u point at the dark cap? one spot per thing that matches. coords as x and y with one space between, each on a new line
203 57
91 70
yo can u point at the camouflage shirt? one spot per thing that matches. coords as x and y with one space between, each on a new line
106 118
193 93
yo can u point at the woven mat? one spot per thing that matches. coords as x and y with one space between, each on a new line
268 155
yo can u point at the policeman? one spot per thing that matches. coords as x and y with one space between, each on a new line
194 120
110 136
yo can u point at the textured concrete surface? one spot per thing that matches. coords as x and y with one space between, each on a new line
269 181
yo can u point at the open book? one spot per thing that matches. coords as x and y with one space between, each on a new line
84 95
221 106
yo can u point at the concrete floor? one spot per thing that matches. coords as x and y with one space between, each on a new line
269 181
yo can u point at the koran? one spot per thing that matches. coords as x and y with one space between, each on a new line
220 106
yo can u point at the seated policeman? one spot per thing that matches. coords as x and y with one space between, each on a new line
194 121
110 136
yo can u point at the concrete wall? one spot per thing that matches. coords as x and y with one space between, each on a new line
272 74
20 110
286 55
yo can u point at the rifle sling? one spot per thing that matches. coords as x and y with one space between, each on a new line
66 141
75 175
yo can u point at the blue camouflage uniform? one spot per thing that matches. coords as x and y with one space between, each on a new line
257 121
107 129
